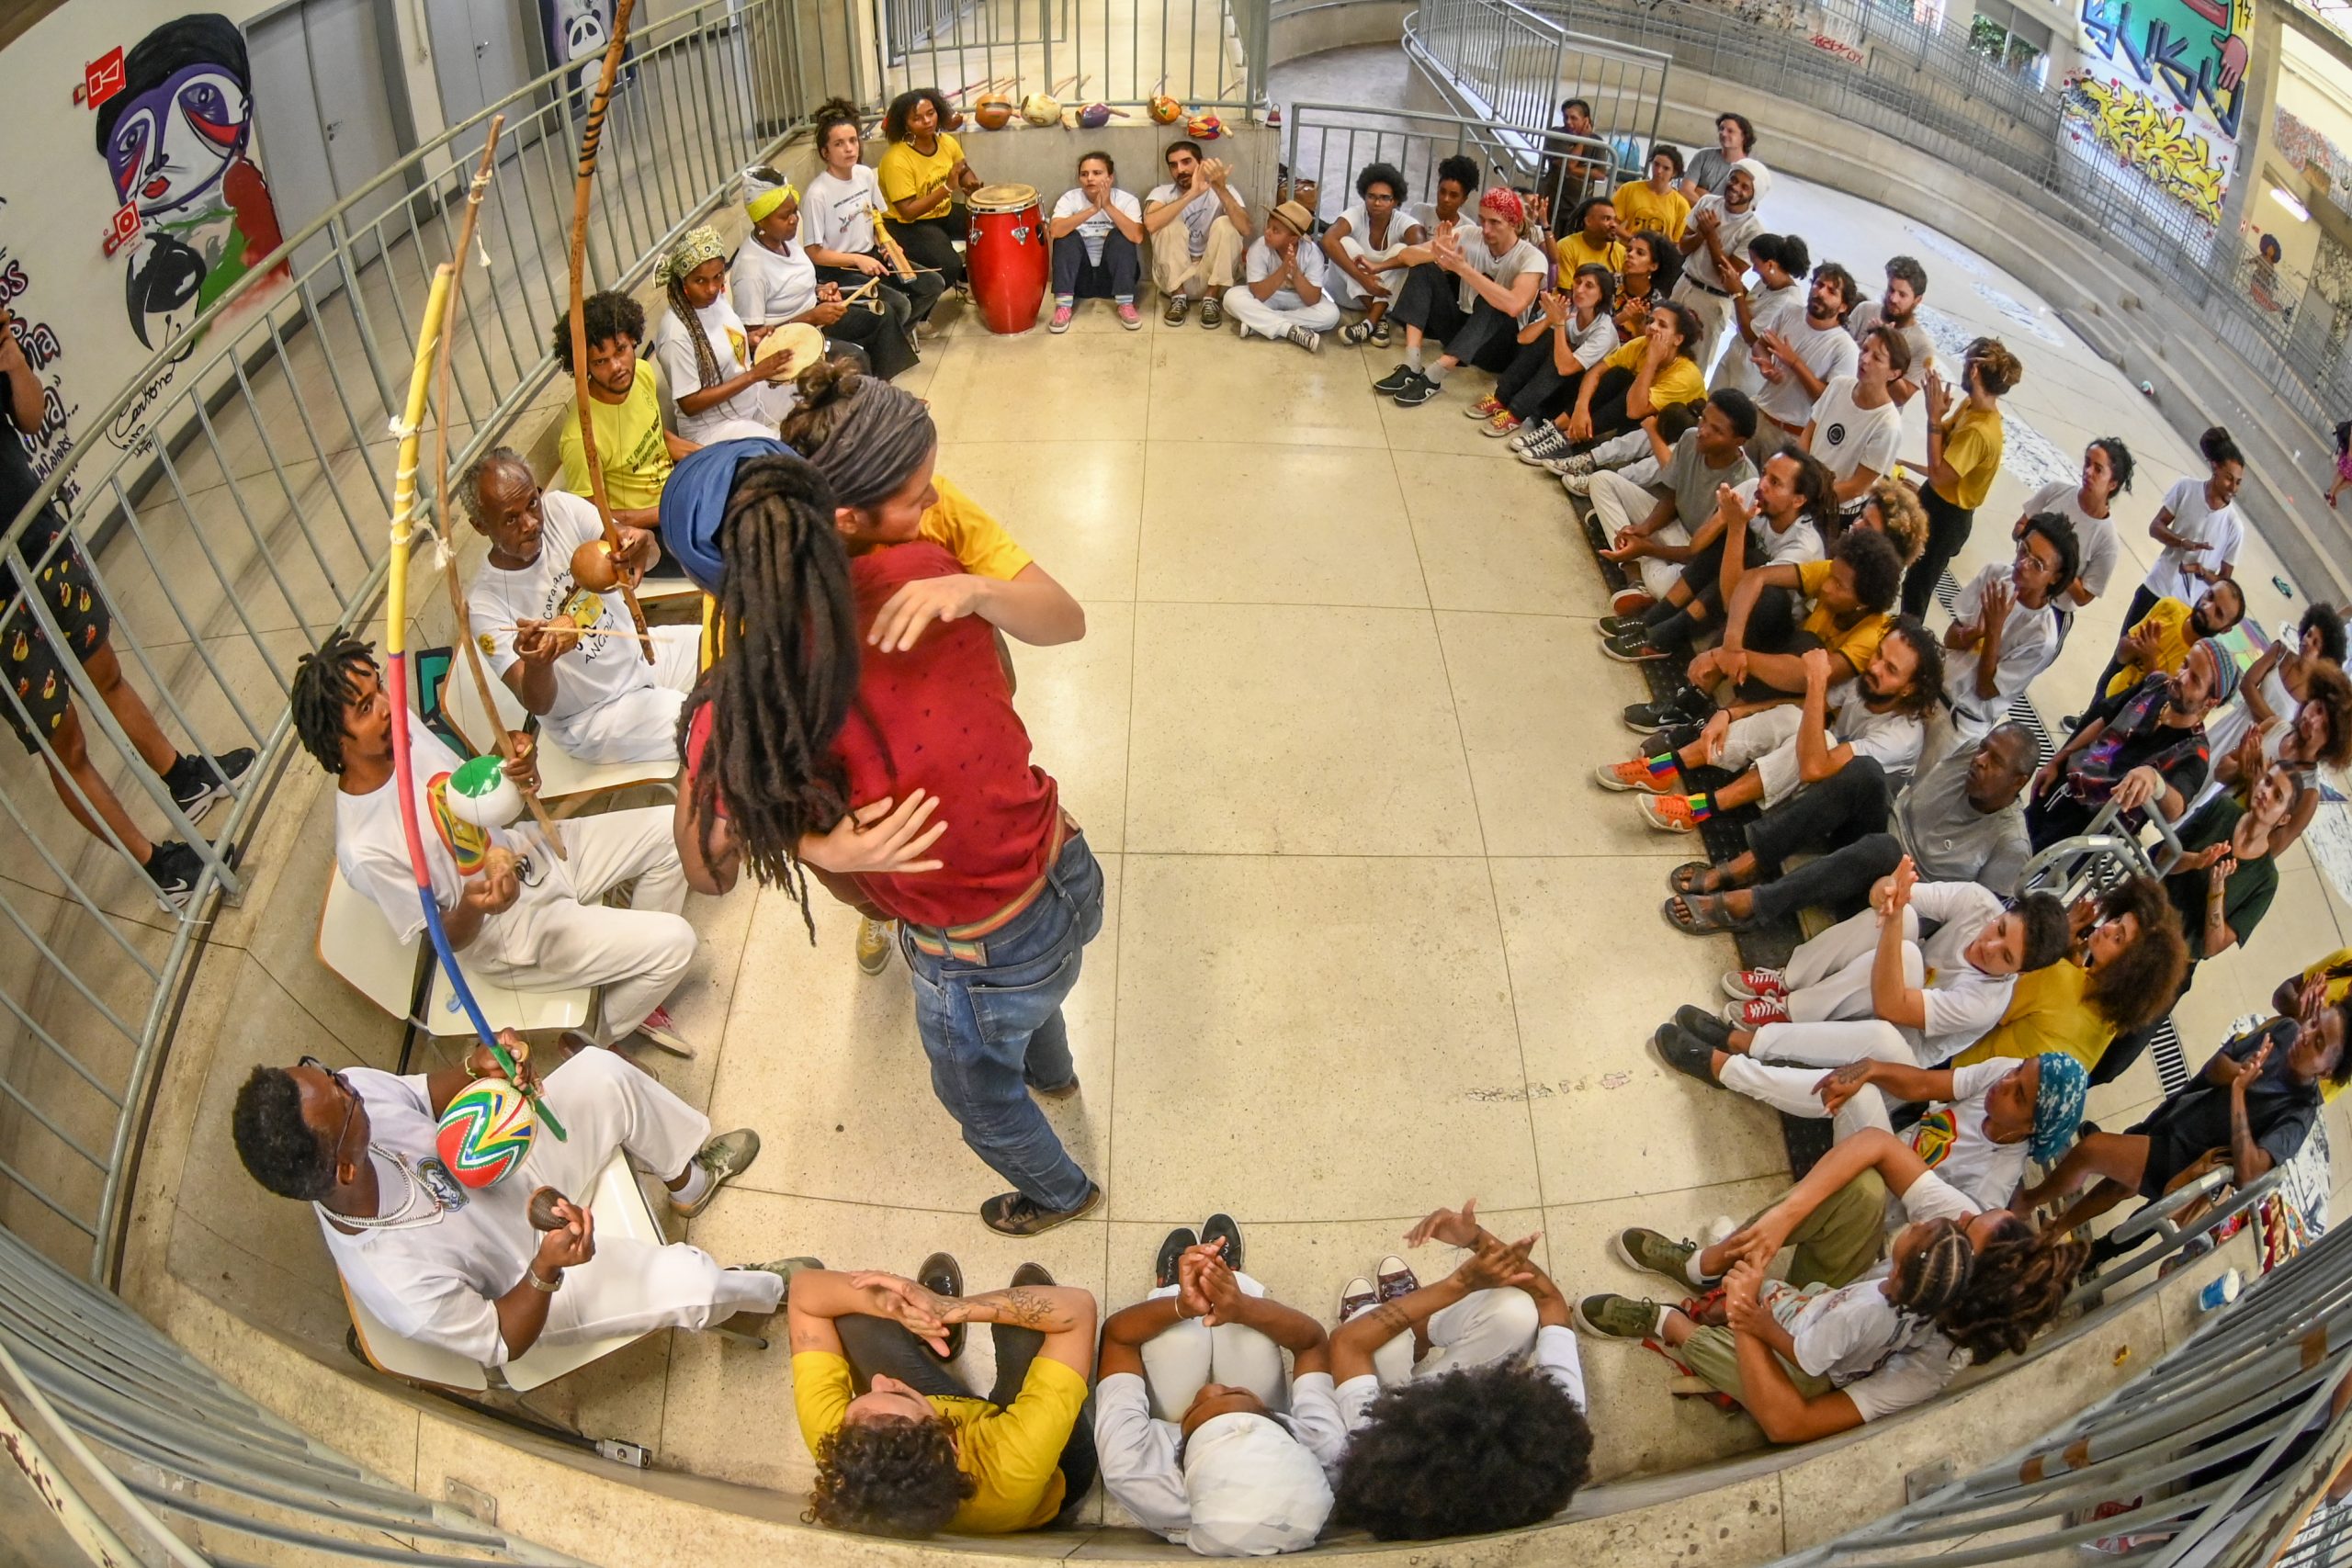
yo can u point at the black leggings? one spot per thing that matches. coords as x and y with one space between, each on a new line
1948 529
1486 339
930 242
875 1345
1430 300
885 337
1532 388
1610 417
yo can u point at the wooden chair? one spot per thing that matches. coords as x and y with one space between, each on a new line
355 942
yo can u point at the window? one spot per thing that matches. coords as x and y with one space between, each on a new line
2016 44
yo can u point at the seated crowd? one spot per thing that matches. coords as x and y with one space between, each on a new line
859 616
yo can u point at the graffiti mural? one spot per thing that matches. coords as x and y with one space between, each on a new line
2164 91
174 126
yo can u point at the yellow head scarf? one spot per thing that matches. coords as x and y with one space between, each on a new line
764 190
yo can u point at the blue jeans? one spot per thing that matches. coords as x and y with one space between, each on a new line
993 1029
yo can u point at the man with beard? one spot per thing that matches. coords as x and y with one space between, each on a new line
1898 311
625 401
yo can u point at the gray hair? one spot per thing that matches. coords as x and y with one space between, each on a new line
470 482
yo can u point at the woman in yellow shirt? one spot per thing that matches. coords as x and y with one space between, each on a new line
1654 371
923 176
1655 203
2126 965
1963 454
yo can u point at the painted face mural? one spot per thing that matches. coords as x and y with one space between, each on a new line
177 139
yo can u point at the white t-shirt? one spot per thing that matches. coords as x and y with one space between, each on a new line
766 288
1523 257
1951 1138
1553 1354
1894 738
1793 546
2192 519
1401 223
2028 642
834 214
1262 264
597 668
1733 233
433 1281
1847 436
1961 1001
1771 311
1593 343
1869 314
729 341
1827 352
2095 534
1199 212
372 851
1090 233
1140 1455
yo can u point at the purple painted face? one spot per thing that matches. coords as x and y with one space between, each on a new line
172 143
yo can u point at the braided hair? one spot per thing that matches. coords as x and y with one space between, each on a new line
324 685
1929 1280
784 688
706 361
2020 1281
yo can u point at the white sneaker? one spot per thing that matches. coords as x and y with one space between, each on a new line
1241 329
1307 339
1578 485
1356 333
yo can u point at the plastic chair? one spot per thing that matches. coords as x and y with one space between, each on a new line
354 942
566 784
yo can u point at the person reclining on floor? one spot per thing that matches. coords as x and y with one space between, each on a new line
1487 1431
626 397
2152 755
1282 294
1199 1436
1873 987
2121 971
902 1446
2249 1110
1779 524
1961 820
1864 1325
1667 540
1782 749
2004 631
594 695
2159 641
460 1268
525 920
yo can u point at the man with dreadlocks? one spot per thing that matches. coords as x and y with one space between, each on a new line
524 919
1863 1326
704 348
860 682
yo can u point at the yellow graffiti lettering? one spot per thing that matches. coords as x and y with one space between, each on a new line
2157 143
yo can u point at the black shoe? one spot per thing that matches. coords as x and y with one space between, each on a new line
1054 1091
1685 1053
195 781
1030 1274
1708 1027
175 869
1396 380
1673 739
1623 625
1172 1252
943 1275
1644 717
2071 723
1220 1227
1415 392
1011 1214
1633 650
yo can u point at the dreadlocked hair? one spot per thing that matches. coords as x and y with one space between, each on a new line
1930 1280
1928 675
2020 1281
324 686
2137 985
783 690
705 362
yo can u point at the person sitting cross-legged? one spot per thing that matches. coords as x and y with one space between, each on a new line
2120 974
461 1268
1655 536
2159 641
1498 271
902 1446
1960 820
1864 1325
562 649
1487 1430
1569 333
1199 1436
523 918
2004 631
1777 749
626 397
1281 295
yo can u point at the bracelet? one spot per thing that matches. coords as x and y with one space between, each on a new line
545 1286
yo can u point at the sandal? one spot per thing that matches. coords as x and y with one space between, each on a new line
1684 878
1700 914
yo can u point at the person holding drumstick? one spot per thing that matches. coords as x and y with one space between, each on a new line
774 282
1097 228
923 176
837 214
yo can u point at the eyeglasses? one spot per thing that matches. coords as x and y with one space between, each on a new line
350 1095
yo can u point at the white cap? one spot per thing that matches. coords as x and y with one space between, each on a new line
1253 1489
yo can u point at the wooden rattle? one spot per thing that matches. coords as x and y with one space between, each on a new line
543 1212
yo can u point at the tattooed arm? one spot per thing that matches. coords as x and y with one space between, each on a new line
1493 1265
1063 1313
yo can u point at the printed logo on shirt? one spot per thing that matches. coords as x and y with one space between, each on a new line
1835 432
583 607
487 643
1934 1136
439 1185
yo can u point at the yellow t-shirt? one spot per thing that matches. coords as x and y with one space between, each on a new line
1857 644
2046 1012
1639 208
2336 969
976 539
629 446
2169 618
1014 1453
903 172
1973 439
1576 251
1679 382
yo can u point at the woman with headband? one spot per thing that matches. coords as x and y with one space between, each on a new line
704 348
858 692
774 281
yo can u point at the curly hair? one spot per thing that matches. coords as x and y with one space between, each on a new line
1849 293
1666 261
1747 132
1462 170
2048 931
1668 151
2325 622
1387 175
1929 1280
1906 269
606 316
894 119
1877 567
1997 368
2220 447
2059 529
831 116
1687 325
1928 681
2138 986
1492 1447
278 1147
323 687
2019 1282
1906 519
1815 486
893 1477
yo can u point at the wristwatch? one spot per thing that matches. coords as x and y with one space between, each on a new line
548 1286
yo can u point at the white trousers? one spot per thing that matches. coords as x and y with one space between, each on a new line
1830 977
1766 741
1619 500
1266 317
641 724
1789 1088
1175 270
1483 1327
557 936
630 1286
1178 1362
1347 291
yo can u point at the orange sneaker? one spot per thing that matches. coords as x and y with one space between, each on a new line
1633 776
1669 814
1485 408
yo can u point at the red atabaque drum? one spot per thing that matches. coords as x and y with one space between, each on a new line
1005 253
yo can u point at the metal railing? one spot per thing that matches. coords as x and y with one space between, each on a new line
1326 143
230 503
1204 53
125 1435
1504 57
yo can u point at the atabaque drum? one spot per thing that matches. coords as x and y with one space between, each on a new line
1005 253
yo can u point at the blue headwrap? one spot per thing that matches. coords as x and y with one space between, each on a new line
2057 1107
694 504
2225 669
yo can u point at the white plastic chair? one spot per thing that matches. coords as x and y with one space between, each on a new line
566 783
354 942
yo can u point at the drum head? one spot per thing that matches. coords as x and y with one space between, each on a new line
1002 198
